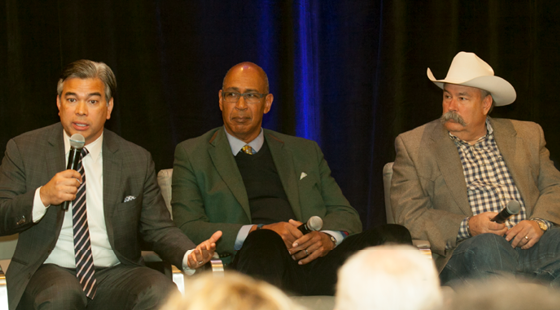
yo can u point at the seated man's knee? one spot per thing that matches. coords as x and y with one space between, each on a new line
63 293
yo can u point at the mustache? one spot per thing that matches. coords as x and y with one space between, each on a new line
452 115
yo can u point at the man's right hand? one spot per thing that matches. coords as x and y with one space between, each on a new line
287 231
62 187
482 224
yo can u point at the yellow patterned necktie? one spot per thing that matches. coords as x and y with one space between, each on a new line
247 150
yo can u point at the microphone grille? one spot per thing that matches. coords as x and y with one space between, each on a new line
315 223
77 141
513 207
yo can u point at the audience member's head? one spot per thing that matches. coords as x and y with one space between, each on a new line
505 294
234 291
388 277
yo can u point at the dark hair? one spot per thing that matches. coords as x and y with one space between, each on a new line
87 69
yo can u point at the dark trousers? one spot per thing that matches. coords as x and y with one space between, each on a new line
118 287
264 256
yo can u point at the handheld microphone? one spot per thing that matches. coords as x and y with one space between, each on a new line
314 223
77 142
512 208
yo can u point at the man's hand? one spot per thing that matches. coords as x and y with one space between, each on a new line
482 224
62 187
203 252
310 246
288 232
525 234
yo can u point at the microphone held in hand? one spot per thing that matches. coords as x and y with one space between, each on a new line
77 142
314 223
512 208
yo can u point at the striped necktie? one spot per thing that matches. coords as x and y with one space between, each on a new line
247 150
85 271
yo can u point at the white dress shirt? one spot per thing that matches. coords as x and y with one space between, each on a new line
63 252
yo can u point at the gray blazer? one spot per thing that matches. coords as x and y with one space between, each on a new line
428 189
33 158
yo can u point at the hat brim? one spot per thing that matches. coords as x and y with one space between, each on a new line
502 91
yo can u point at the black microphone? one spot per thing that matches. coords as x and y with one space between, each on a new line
314 223
512 208
77 142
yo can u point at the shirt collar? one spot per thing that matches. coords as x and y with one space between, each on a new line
489 132
93 148
236 144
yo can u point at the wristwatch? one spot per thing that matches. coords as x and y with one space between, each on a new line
333 239
542 224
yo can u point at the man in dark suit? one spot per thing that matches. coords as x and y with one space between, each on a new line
258 186
453 175
88 256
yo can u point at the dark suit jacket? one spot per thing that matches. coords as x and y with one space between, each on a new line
33 158
429 193
209 194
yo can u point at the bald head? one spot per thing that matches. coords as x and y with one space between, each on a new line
243 115
244 67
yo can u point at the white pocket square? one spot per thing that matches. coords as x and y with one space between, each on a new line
303 175
129 198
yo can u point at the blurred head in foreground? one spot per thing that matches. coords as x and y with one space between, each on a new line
505 294
388 277
234 291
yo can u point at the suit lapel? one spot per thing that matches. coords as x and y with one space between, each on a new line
449 163
225 164
283 159
112 174
55 162
508 143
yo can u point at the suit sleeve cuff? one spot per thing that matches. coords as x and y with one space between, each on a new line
339 236
186 270
39 208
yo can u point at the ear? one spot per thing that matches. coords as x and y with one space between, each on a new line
220 98
487 104
268 103
58 104
109 108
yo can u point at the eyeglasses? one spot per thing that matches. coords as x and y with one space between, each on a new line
233 96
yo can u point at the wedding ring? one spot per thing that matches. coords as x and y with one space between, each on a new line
306 253
526 238
201 262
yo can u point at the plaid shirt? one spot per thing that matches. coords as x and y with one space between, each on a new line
490 185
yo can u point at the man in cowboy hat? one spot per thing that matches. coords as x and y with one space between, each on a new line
453 175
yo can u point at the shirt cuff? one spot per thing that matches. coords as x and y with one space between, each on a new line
464 230
549 225
186 270
39 208
339 236
241 236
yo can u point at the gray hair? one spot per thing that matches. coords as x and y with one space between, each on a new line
87 69
388 277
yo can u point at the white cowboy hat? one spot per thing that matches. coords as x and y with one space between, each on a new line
469 70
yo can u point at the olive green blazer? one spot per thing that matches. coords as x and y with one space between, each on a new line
209 194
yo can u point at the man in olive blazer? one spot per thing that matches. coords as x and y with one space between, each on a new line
209 195
258 186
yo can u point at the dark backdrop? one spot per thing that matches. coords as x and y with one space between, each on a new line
349 74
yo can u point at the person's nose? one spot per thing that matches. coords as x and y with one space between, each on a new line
241 104
81 108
